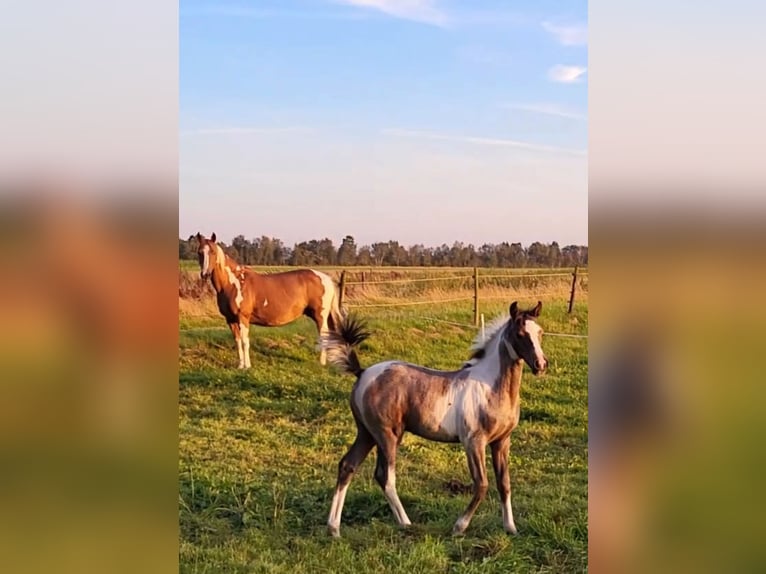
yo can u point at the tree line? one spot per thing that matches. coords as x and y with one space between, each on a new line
272 251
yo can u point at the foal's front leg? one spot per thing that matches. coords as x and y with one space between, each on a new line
474 449
500 450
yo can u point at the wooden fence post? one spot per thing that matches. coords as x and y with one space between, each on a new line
342 289
476 296
572 294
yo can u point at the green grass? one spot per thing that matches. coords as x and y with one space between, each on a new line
259 453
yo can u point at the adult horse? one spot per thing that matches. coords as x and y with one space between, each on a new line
270 300
477 405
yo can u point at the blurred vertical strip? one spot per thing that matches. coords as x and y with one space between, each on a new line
88 307
677 244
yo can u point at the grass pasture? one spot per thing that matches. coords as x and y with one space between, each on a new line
259 453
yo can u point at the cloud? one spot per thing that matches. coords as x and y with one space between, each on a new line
424 11
548 110
569 35
241 131
566 74
474 140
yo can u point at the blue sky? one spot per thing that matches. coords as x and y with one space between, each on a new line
424 121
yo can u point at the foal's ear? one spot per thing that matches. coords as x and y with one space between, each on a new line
212 238
514 309
198 236
536 311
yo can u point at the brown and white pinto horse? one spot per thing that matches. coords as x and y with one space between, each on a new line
245 297
477 405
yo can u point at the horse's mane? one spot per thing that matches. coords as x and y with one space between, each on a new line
479 347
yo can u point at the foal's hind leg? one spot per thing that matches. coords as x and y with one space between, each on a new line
385 474
474 449
348 465
500 453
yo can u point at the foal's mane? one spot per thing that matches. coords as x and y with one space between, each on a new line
492 331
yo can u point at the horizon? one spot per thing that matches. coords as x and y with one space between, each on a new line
228 241
426 120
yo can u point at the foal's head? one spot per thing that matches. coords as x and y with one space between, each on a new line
524 336
206 247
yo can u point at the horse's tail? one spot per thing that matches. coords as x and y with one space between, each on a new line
336 313
340 343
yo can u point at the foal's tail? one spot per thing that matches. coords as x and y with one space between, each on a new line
340 343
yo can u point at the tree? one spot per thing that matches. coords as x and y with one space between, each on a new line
347 251
271 251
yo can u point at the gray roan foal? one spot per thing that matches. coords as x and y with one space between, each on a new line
477 406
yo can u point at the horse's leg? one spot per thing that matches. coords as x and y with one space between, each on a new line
235 331
385 474
346 468
500 450
244 333
321 320
474 449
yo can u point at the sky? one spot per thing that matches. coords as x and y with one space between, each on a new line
422 121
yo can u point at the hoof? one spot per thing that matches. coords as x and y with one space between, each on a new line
512 531
459 528
333 531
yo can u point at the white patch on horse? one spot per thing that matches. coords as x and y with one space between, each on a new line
487 369
265 302
534 331
205 259
368 377
508 523
464 401
221 261
327 296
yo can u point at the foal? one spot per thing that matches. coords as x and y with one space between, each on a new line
477 406
245 297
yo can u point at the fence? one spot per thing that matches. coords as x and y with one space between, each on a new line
391 287
476 279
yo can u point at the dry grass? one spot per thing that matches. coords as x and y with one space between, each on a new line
403 286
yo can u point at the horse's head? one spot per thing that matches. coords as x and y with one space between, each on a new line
524 335
205 247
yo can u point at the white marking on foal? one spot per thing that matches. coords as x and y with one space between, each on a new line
221 261
393 498
337 509
508 524
534 331
265 302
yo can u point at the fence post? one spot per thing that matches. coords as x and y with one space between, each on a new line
342 289
476 296
572 294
